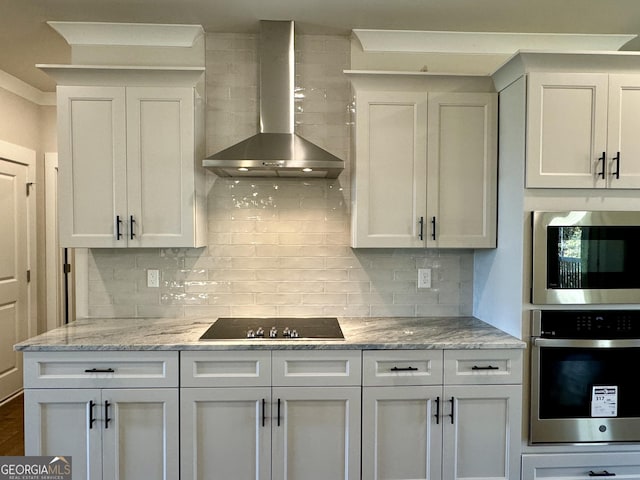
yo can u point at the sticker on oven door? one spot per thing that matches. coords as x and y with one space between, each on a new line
604 401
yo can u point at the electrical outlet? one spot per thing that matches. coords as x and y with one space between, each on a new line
153 278
424 278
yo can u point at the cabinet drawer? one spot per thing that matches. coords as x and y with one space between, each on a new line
463 367
100 369
225 369
316 367
402 367
581 466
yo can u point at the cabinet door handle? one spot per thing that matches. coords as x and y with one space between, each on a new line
99 370
453 409
437 415
92 419
603 473
602 160
433 228
264 415
131 224
107 419
118 225
278 412
617 172
488 367
421 222
403 369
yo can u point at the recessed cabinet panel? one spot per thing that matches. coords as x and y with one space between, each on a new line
623 154
462 170
390 174
92 159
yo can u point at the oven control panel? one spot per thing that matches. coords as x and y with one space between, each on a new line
587 324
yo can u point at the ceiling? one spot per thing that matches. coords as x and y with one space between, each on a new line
26 39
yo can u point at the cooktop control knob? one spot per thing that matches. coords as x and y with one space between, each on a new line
294 333
251 334
260 332
273 333
286 332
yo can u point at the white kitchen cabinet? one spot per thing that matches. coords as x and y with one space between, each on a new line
128 166
581 466
294 415
582 130
425 173
434 428
74 406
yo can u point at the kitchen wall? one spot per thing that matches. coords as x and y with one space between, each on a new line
279 247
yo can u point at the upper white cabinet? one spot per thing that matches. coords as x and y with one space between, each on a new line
425 169
582 130
129 173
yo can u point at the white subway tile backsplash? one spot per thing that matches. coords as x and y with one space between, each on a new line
279 247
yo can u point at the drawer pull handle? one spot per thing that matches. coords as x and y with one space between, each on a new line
99 370
437 415
603 473
488 367
403 369
106 414
92 419
264 403
278 412
453 409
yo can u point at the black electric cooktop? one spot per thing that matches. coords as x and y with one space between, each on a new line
274 329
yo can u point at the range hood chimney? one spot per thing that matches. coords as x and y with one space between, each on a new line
276 151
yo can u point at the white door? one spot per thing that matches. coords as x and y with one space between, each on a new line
481 432
316 433
401 433
140 434
66 422
14 318
225 433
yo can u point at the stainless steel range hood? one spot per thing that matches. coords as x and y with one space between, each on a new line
276 150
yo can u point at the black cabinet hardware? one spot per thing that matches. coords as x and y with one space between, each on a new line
437 415
603 473
488 367
617 172
99 370
421 222
131 224
403 369
118 225
278 412
453 409
433 228
264 403
92 419
602 159
106 414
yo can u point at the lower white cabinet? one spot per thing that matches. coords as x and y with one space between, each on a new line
581 466
432 430
110 433
270 428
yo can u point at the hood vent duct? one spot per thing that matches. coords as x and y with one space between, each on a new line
276 151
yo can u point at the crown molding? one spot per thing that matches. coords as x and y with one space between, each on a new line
22 89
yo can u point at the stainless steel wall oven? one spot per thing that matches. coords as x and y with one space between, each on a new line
584 381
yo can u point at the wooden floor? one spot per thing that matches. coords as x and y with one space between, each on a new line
11 428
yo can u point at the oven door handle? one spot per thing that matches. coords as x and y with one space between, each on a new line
571 343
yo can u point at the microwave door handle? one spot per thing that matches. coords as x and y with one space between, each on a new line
578 343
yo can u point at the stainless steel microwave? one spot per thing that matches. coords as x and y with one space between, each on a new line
586 257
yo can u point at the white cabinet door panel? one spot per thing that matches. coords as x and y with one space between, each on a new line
225 433
316 433
92 165
401 435
390 175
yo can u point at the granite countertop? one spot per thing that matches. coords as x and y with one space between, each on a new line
360 333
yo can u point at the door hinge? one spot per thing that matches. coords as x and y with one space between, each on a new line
29 185
66 268
28 276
